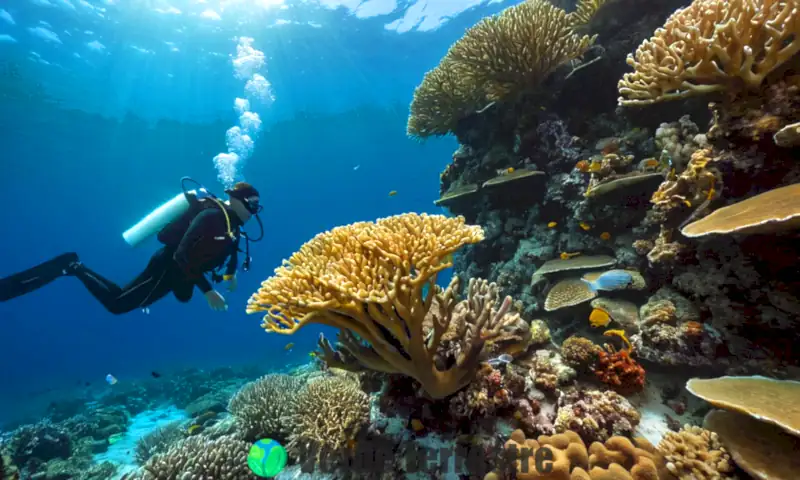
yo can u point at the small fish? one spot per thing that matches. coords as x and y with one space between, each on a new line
356 167
312 354
146 310
552 225
504 358
585 226
447 259
611 280
651 163
393 193
567 255
595 166
194 429
599 318
416 425
111 379
510 170
155 374
582 166
605 236
288 346
114 438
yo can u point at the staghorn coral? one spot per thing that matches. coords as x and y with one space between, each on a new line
264 407
329 412
483 300
224 458
369 278
500 57
712 45
696 453
596 415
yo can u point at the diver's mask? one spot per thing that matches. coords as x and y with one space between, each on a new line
252 204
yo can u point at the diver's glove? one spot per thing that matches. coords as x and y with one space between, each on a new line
231 279
216 301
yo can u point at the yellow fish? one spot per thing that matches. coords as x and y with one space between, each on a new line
595 166
288 346
194 429
312 354
585 226
393 193
417 425
599 318
621 335
510 170
567 256
447 259
552 225
605 236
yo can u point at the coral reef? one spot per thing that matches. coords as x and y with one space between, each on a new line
596 415
696 453
224 458
328 413
502 56
263 407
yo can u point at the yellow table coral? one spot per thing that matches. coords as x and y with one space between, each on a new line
368 279
713 45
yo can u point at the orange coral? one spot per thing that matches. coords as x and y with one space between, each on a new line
619 371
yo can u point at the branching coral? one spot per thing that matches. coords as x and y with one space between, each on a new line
369 278
329 412
712 45
696 453
197 457
502 56
263 407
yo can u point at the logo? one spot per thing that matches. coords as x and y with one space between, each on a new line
267 458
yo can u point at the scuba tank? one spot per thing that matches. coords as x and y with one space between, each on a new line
155 221
159 218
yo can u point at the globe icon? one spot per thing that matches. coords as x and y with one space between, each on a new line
266 458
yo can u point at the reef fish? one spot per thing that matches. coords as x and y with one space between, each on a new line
393 193
552 224
611 280
111 379
599 318
288 346
605 236
504 358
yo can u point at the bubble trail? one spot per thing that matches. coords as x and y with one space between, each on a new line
240 139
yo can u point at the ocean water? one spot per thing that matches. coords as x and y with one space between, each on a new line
107 105
625 242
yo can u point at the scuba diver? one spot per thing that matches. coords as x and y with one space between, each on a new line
202 233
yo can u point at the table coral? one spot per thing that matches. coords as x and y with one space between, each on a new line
596 415
370 278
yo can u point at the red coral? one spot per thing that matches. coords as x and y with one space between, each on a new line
619 371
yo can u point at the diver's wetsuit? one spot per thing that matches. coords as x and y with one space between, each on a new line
194 244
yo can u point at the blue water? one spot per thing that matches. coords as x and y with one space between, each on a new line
132 121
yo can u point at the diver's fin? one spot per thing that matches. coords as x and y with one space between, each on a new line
36 277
